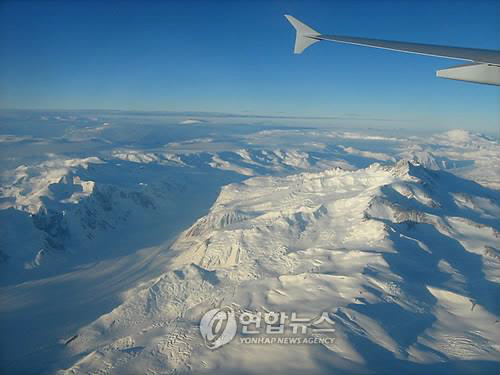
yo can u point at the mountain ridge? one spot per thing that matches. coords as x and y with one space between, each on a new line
328 241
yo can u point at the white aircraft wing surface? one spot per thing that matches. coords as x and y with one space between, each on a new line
484 69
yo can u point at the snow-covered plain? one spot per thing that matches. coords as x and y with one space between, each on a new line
118 231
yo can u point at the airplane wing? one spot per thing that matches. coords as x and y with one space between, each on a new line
484 69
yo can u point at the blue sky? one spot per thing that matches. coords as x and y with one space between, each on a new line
236 56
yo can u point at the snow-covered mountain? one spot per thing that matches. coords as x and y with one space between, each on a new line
71 211
115 238
404 259
61 206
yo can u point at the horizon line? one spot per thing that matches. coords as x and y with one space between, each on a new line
212 114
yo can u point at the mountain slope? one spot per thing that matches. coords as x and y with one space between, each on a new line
404 260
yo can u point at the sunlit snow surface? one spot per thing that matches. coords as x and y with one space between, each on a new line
119 230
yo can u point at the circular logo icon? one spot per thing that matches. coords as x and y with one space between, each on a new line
218 327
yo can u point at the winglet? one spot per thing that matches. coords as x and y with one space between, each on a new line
304 36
